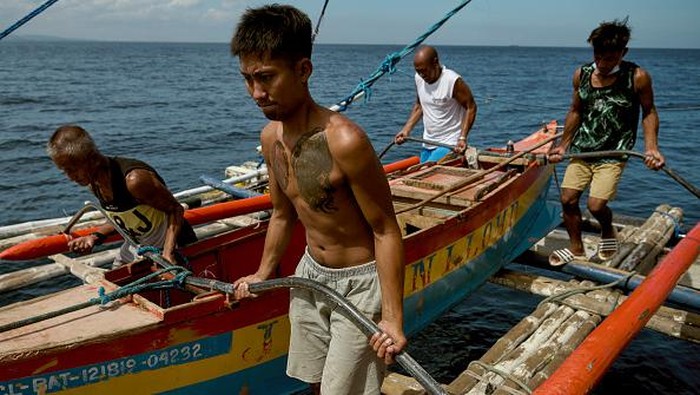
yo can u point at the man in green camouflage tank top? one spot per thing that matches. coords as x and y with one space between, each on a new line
604 113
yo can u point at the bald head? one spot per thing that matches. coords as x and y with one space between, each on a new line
427 64
426 53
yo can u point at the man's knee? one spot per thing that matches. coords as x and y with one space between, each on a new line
570 198
597 206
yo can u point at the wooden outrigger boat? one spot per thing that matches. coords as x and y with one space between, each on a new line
460 226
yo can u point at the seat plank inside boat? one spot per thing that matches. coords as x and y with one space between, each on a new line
436 179
87 323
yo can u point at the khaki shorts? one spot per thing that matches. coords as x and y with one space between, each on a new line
325 346
602 177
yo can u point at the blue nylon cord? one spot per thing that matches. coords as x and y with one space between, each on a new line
27 18
389 63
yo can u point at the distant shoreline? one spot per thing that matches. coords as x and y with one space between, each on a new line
33 38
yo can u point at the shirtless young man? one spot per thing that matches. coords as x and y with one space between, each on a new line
325 173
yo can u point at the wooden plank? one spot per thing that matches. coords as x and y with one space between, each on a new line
62 331
438 178
499 160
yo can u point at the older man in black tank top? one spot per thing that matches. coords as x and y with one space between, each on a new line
131 192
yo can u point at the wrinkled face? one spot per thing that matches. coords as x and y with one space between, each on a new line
277 85
606 61
76 170
428 69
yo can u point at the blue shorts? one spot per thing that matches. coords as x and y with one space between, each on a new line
433 154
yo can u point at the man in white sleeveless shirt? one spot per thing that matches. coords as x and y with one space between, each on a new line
445 103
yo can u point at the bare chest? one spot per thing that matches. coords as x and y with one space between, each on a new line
306 173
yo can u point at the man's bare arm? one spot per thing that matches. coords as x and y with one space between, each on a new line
358 162
147 189
650 119
571 124
413 118
283 219
463 95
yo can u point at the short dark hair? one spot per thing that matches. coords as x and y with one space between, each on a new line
610 36
72 141
280 31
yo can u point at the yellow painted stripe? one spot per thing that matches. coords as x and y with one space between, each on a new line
423 272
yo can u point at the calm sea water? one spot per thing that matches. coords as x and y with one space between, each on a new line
183 108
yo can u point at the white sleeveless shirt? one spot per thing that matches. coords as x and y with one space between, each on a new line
442 114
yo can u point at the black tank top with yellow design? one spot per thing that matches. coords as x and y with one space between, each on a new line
609 115
138 220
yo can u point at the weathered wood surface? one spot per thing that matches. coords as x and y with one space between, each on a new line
669 321
71 328
656 232
504 345
523 351
398 384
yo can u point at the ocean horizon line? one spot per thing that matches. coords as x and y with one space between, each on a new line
44 38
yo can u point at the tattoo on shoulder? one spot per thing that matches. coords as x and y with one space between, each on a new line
312 162
280 165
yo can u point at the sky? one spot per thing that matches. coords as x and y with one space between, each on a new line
552 23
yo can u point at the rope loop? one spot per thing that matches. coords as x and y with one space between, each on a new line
505 375
142 284
389 64
101 294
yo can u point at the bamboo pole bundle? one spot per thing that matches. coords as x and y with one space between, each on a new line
652 236
669 321
64 265
504 345
561 354
630 243
644 257
573 326
7 242
523 351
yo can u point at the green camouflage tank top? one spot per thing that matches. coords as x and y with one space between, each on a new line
609 115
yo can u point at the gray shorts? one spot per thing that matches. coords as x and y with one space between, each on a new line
325 346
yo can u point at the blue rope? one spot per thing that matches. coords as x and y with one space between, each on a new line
27 18
390 61
146 249
142 284
104 298
676 223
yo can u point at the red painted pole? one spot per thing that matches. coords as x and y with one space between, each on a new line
584 368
